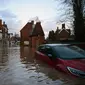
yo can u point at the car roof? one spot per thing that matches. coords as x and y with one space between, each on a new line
55 44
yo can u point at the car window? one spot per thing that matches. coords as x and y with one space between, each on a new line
50 53
41 49
48 50
68 53
78 49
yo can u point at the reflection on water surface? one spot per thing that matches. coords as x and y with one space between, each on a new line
19 67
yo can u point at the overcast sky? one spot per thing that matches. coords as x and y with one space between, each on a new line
16 13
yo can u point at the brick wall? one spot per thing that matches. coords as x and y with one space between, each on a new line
25 32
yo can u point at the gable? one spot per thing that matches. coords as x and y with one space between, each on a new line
64 30
27 26
37 30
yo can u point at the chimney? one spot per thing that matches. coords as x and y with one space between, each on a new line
63 26
57 28
4 24
0 22
38 22
32 22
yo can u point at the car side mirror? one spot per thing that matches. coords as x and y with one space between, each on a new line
50 55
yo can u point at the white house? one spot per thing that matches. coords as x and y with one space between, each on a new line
0 34
3 32
0 29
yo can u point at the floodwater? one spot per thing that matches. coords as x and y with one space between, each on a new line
18 67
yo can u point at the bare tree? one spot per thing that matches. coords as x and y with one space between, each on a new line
78 20
76 10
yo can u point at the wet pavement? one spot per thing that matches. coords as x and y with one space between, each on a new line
18 67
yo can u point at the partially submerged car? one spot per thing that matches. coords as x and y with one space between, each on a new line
64 57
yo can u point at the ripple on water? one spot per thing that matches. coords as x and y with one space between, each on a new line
18 67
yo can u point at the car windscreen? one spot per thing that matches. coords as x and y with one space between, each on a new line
69 52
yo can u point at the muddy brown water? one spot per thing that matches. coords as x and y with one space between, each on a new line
18 67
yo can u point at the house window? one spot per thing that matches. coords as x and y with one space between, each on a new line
26 42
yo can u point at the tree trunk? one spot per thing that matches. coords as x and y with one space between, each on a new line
79 28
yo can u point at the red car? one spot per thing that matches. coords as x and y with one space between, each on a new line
67 58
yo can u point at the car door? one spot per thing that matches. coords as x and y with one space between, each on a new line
44 53
40 53
50 59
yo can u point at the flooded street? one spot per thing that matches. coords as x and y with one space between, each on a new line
18 67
